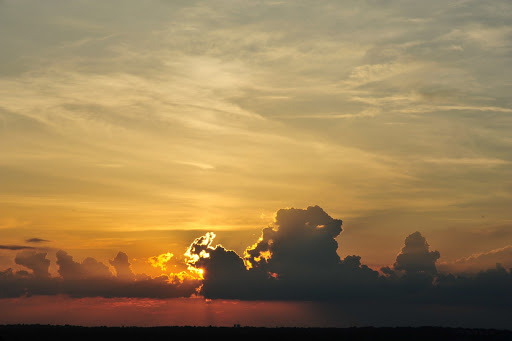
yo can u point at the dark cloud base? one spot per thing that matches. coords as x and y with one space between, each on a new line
15 247
36 240
295 259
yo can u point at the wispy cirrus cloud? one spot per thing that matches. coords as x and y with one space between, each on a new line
360 105
482 162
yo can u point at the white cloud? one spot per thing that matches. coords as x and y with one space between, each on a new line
481 261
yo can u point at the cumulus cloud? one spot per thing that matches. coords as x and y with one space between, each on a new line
36 262
89 268
294 259
301 241
89 278
122 266
222 271
416 256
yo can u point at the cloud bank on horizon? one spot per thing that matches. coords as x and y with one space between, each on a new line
295 259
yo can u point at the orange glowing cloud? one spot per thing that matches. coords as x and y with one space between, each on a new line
161 261
199 249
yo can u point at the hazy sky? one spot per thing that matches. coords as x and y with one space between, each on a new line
122 121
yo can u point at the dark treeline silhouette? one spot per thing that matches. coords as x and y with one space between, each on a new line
47 332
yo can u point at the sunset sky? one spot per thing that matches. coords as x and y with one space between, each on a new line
137 126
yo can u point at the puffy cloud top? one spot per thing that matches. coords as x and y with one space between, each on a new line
89 268
301 241
294 259
416 256
122 266
36 262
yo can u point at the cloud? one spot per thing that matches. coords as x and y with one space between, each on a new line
36 262
90 278
478 261
416 256
122 266
161 261
144 286
294 259
222 271
89 268
485 162
36 240
15 247
301 241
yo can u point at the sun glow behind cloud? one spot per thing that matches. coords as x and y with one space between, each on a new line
295 259
161 261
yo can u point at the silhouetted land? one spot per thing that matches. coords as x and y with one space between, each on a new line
45 332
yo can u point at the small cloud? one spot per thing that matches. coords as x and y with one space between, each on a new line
416 256
369 112
36 240
122 266
465 161
456 48
37 262
161 261
89 268
15 247
200 165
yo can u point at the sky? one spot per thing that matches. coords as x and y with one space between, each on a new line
132 130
